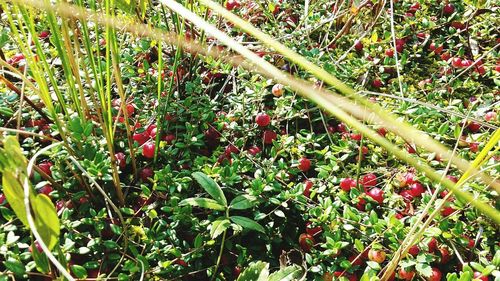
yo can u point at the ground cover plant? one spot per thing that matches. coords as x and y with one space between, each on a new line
249 140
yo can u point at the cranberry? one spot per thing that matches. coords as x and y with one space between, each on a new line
120 158
45 167
407 195
254 150
369 180
269 136
377 83
446 211
432 245
146 173
478 275
456 62
389 52
311 230
406 275
306 242
277 90
304 164
148 150
376 194
307 188
416 189
347 183
262 119
232 4
358 46
414 250
435 275
490 116
46 189
448 9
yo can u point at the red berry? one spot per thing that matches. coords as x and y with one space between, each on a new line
435 275
146 173
236 271
358 46
406 275
341 128
148 150
232 4
45 167
262 119
2 199
416 189
355 137
46 189
230 149
311 230
376 194
307 188
355 260
382 131
445 56
467 63
446 211
407 195
474 127
415 7
306 242
400 47
448 9
120 158
269 136
456 62
141 138
169 139
377 83
414 250
254 150
452 178
369 180
478 275
389 52
432 245
347 183
130 109
490 116
474 147
44 34
445 255
304 164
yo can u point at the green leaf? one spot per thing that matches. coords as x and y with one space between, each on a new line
14 193
15 266
289 273
219 226
79 271
46 220
424 269
203 202
257 271
41 260
211 187
247 223
242 202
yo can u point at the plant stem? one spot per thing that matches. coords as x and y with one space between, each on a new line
221 250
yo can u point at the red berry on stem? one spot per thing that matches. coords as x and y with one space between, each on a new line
254 150
478 275
347 183
448 9
432 245
46 189
262 119
406 274
414 250
307 188
389 52
45 167
269 136
358 46
435 275
306 242
304 164
146 173
490 116
376 194
369 180
148 150
416 189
